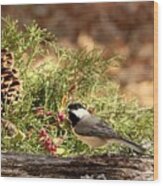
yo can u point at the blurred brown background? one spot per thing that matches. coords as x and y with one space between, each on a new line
116 28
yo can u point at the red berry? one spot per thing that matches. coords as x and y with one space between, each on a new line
48 142
61 116
43 133
49 113
49 147
53 148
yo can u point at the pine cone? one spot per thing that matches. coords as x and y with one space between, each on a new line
9 127
10 83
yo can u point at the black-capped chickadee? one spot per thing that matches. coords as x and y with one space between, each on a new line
94 131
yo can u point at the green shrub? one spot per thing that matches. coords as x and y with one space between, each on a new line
46 84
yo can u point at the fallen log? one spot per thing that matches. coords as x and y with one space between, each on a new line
111 167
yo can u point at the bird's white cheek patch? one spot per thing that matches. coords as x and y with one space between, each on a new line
81 112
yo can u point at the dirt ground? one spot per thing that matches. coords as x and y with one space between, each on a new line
125 29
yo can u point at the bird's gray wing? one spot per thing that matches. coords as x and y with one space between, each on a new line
93 126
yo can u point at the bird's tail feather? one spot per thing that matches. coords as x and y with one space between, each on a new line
131 145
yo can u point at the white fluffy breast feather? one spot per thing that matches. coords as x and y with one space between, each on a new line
81 112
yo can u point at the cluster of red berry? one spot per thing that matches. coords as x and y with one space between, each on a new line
47 141
60 117
41 112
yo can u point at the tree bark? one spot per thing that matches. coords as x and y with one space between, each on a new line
111 167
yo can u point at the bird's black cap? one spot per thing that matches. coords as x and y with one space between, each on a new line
75 106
